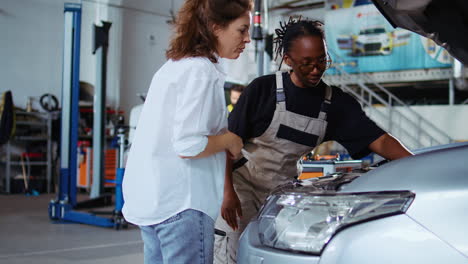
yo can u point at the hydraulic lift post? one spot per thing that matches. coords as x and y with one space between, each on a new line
62 208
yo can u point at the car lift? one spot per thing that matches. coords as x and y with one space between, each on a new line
62 208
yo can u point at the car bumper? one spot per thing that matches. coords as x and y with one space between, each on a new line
396 239
251 251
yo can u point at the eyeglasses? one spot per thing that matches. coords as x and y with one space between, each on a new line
321 64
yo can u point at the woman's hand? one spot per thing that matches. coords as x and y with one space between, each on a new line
235 145
229 142
231 208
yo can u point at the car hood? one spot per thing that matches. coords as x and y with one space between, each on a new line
444 21
438 170
373 37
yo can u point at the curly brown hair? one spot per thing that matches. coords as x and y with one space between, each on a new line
194 36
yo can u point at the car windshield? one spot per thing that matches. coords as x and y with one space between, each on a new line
372 31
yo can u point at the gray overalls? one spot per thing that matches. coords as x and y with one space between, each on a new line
272 159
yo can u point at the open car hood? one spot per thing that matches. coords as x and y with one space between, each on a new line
444 21
431 169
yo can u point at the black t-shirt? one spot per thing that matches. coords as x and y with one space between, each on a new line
347 122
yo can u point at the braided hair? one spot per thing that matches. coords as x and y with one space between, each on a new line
292 30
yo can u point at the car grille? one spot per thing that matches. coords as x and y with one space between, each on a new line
372 47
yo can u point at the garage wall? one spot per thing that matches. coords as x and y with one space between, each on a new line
32 45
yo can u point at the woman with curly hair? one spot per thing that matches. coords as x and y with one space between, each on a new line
281 118
173 184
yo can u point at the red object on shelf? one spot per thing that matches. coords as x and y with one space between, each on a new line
32 154
108 111
85 171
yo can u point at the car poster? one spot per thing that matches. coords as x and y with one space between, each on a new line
360 39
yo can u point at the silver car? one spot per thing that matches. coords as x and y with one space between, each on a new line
413 210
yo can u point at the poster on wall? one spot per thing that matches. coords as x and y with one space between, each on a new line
361 40
335 4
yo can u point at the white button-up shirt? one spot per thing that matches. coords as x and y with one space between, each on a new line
185 103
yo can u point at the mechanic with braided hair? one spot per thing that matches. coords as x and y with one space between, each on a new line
281 118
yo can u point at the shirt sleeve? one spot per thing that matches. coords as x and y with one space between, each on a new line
194 113
352 128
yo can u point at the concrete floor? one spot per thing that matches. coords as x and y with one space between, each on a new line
28 236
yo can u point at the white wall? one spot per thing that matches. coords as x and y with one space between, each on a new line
450 119
145 39
30 47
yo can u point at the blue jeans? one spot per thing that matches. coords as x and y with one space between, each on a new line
187 237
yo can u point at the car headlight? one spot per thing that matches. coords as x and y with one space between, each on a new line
305 222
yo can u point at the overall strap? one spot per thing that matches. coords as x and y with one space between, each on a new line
280 97
326 103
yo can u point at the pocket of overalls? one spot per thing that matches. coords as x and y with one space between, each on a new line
220 250
296 136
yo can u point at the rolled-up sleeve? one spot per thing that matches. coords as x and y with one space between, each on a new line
194 112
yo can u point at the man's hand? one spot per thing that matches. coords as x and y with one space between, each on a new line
231 208
389 147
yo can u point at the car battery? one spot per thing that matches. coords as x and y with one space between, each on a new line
311 169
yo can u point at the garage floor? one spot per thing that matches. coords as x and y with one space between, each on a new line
28 236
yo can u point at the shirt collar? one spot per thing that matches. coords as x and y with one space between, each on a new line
221 65
320 86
